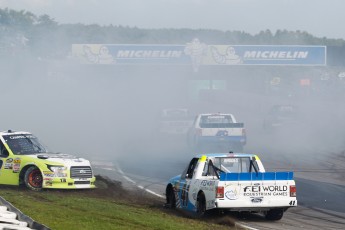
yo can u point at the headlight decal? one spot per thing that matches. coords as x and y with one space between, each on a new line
58 170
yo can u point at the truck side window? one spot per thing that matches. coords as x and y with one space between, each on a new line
253 166
3 150
191 167
209 169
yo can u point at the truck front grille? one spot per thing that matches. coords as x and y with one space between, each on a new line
81 172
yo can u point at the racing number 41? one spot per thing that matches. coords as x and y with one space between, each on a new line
292 202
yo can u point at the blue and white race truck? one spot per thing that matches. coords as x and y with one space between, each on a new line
231 182
217 132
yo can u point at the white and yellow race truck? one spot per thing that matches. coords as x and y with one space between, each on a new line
231 182
216 132
24 160
174 122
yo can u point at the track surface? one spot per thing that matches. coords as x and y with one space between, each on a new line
321 204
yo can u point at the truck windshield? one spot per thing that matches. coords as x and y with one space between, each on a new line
24 144
233 164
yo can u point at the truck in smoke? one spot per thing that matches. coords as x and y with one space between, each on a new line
282 116
174 121
216 132
24 160
231 182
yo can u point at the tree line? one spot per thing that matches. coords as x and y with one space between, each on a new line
24 32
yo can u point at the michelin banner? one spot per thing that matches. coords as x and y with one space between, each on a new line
197 53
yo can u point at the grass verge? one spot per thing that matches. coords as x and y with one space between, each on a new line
107 207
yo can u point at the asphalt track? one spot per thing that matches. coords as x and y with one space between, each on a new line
321 195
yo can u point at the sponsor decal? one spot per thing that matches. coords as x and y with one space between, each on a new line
231 193
49 183
198 53
131 54
16 165
207 185
269 54
222 133
149 54
9 160
227 57
266 55
230 160
48 174
17 161
256 199
22 137
270 190
8 166
81 179
16 168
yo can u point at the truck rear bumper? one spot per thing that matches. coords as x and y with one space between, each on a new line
255 204
222 139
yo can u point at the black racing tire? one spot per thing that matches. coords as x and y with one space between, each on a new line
33 178
201 205
275 214
171 200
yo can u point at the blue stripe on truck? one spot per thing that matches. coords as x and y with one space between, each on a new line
256 176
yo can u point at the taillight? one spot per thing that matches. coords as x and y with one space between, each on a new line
220 192
198 132
293 190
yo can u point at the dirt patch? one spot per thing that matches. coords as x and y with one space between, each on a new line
112 189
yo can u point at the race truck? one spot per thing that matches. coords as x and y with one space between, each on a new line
282 117
24 160
231 182
174 122
216 132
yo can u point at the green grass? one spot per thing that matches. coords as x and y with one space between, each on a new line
98 209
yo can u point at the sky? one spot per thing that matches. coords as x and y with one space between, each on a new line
321 18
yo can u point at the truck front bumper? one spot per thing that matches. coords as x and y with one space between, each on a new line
68 183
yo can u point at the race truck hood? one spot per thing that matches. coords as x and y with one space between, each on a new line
65 159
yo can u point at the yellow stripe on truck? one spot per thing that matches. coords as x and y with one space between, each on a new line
203 159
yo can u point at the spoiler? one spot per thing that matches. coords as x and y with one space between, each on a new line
256 176
221 125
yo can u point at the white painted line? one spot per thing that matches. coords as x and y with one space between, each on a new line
128 179
245 226
117 168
